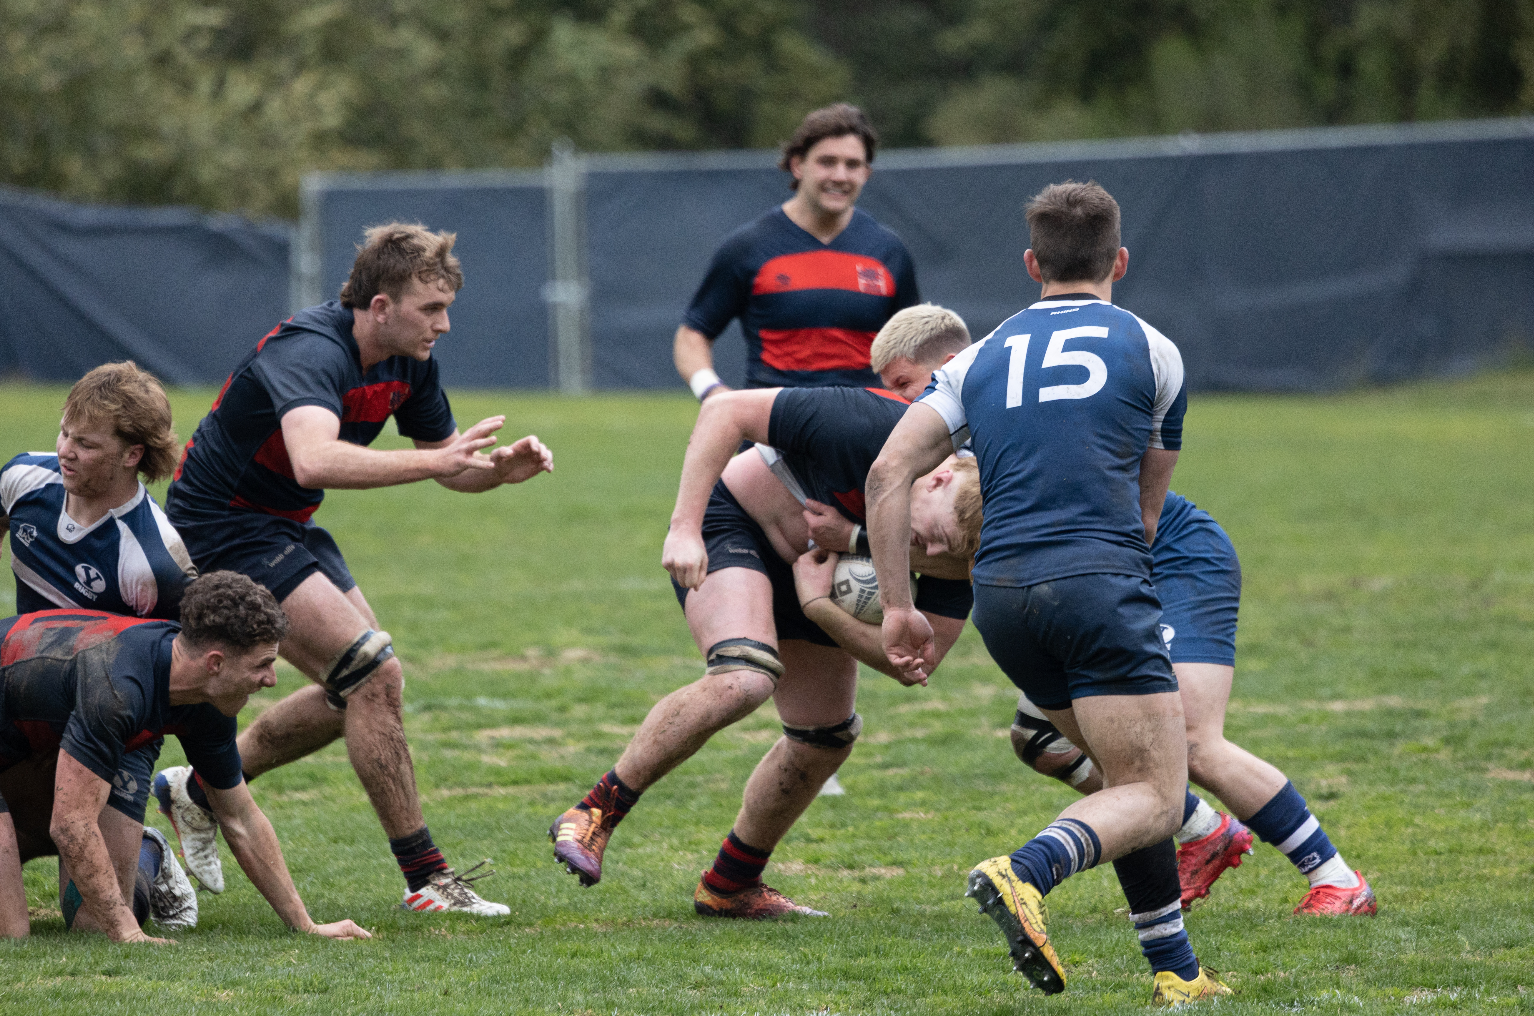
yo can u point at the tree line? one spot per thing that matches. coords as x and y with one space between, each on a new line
224 104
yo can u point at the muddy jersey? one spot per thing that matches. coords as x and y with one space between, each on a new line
237 460
130 561
97 686
809 310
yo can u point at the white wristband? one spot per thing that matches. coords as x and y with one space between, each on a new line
701 381
852 544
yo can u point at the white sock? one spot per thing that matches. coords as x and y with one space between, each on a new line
1201 823
1334 872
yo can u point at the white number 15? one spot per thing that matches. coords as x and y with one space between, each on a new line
1055 355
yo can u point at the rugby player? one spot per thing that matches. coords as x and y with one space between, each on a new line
1075 450
811 280
294 418
84 533
735 531
80 691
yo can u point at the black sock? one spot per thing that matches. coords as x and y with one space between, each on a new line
1149 879
196 793
418 857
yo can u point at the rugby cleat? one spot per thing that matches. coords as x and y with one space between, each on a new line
172 900
1172 991
580 836
448 890
196 827
1018 909
753 903
1334 901
1201 861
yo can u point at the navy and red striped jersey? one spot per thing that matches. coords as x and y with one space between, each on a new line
809 310
829 437
237 459
97 686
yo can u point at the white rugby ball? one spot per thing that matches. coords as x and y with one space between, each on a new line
855 588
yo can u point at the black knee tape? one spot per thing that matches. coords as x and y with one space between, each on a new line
744 654
1046 739
356 664
840 736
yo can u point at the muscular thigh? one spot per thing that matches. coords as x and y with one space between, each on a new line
732 603
322 623
819 687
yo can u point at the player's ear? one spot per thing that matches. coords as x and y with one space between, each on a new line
1032 264
380 304
213 662
1120 263
133 456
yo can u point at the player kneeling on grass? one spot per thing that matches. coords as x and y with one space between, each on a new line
90 690
736 530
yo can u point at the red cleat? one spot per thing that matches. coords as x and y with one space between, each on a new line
1334 901
753 903
1201 861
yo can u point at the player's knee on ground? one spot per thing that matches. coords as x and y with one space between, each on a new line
357 665
1048 752
732 655
835 737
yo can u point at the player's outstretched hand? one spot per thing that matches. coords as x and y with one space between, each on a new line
828 527
813 574
341 929
460 455
909 645
685 557
137 937
523 460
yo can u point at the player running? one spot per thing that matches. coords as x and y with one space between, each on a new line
83 691
1075 450
734 532
811 280
294 418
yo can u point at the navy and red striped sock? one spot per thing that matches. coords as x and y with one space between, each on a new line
738 866
612 797
418 857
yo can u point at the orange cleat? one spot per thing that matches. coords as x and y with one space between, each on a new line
580 836
754 903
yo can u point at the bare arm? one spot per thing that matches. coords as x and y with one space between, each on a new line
14 922
254 843
917 445
723 423
321 460
691 351
78 797
1155 477
512 463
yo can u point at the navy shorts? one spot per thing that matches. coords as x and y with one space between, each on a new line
277 553
734 540
130 787
1198 580
1076 637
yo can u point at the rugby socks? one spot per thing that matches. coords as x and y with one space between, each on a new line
197 794
612 797
1198 819
1065 847
1149 879
418 857
1287 823
150 858
738 866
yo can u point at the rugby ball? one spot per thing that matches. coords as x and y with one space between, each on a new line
855 588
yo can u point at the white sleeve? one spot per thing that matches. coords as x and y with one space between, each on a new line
946 393
172 540
1166 365
22 479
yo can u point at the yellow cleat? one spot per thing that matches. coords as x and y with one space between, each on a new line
1018 909
1172 991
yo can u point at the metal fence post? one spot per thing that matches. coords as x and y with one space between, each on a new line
307 259
567 293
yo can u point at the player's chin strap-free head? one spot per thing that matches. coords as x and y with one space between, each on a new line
834 738
355 665
744 654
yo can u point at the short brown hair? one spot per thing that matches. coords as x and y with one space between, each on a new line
132 402
968 507
394 253
225 608
1073 229
833 121
921 334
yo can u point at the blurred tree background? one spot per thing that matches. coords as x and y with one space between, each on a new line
225 104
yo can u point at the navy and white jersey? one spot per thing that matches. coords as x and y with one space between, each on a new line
130 561
809 310
1061 402
237 459
97 686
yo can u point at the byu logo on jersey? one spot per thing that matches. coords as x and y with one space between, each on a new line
1168 633
124 785
26 534
91 582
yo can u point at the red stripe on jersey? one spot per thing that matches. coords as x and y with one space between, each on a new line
887 394
824 269
224 390
93 627
374 403
184 453
273 454
138 740
852 500
269 334
815 348
297 515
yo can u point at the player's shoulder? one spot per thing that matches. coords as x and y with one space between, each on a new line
27 473
870 229
32 460
323 329
760 237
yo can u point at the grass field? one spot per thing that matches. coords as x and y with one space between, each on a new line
1385 664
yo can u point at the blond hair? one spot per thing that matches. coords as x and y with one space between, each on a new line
922 334
394 253
130 401
968 508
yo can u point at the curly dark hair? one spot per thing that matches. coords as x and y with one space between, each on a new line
225 608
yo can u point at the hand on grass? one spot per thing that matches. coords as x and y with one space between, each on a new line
137 937
340 929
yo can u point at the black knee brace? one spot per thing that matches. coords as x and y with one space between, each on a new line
840 736
355 665
744 654
1046 739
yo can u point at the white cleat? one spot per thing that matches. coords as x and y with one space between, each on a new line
450 891
195 827
172 900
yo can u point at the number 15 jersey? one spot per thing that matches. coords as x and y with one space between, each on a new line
1061 402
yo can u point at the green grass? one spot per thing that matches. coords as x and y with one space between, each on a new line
1385 664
